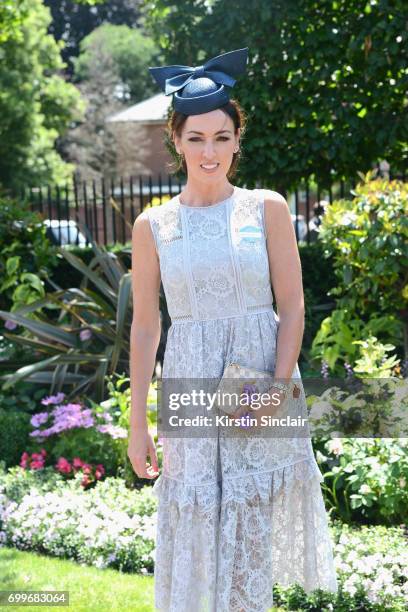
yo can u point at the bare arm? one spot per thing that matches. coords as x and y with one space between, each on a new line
286 277
144 339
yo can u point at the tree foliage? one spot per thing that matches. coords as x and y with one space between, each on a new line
111 72
73 20
36 103
130 52
325 87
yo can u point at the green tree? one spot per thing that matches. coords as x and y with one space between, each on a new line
111 71
36 103
325 87
131 53
73 20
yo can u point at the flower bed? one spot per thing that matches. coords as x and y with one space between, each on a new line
111 525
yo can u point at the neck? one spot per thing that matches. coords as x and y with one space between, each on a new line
196 193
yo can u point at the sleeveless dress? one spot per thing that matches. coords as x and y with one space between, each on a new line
234 515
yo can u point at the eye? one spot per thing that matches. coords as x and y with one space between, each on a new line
196 138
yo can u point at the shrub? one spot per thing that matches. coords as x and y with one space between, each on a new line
14 435
367 240
365 480
26 255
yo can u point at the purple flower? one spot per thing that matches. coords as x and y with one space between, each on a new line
69 416
325 369
65 417
85 334
10 324
39 419
53 399
349 369
37 432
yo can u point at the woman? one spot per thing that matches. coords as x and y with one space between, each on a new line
235 514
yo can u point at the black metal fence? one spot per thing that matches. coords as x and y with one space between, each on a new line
106 210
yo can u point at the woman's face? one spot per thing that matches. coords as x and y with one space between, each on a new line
208 139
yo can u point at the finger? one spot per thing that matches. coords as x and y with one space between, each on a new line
150 473
140 468
153 457
150 467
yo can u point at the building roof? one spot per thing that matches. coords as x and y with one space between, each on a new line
152 110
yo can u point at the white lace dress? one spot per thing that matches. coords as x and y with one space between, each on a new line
234 515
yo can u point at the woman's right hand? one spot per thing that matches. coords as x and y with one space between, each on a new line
141 445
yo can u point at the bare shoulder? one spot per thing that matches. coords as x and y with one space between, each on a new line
273 199
142 219
142 232
142 223
276 211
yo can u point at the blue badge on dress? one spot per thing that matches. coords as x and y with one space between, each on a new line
250 234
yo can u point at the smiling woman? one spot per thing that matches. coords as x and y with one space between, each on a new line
235 513
215 151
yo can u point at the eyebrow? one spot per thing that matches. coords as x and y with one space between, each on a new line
201 133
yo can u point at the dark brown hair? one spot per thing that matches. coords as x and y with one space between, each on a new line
175 125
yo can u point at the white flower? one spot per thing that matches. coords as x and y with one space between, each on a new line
335 446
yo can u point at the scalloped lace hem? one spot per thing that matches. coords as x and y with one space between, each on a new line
262 485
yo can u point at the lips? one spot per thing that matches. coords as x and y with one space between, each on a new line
210 169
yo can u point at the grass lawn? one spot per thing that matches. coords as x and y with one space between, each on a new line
89 588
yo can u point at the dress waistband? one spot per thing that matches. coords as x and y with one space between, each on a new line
249 312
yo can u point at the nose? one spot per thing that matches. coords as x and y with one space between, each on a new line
208 151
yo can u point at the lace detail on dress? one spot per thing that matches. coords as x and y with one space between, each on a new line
167 230
266 485
262 486
213 260
244 535
234 515
205 496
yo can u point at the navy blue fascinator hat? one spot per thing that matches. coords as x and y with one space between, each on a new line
200 89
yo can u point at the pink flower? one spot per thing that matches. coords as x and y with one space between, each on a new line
63 466
99 471
77 462
24 459
85 481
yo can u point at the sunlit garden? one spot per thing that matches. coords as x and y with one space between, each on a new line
74 515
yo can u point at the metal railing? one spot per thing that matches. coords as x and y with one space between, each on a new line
108 209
